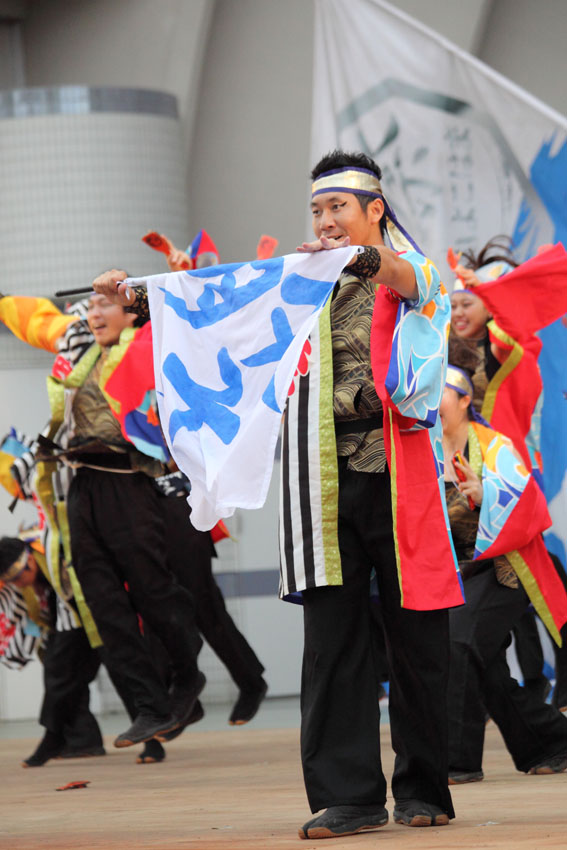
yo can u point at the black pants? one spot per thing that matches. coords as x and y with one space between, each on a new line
480 679
529 652
69 666
340 727
189 555
118 536
560 691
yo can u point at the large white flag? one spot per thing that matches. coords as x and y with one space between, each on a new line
466 155
227 341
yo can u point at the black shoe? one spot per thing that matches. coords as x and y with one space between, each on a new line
247 704
81 752
461 777
344 820
50 746
197 714
152 753
418 813
556 764
144 727
183 701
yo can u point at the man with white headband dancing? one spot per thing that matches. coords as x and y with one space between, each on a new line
360 495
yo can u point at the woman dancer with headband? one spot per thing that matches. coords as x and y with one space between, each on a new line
497 513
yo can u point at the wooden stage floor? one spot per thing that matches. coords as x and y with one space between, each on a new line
241 789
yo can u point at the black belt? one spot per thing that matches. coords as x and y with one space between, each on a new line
107 460
358 426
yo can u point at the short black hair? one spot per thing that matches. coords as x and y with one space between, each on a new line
11 548
343 159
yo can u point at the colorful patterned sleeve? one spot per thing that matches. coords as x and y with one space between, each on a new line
427 277
414 375
34 320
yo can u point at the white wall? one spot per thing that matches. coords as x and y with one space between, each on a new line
250 165
526 41
137 43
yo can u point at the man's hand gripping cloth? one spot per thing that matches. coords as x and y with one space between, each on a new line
408 352
513 516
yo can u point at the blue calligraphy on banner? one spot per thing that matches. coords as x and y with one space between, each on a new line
274 352
233 298
269 396
205 405
297 289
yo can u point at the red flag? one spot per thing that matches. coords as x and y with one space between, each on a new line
158 242
531 296
266 247
219 532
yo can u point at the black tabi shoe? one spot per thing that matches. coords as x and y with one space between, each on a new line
144 727
556 764
197 714
418 813
183 702
339 821
461 777
559 699
50 746
247 704
152 753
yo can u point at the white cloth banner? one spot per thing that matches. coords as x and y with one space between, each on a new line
465 155
227 341
464 152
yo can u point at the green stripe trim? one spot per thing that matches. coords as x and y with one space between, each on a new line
328 467
475 452
77 377
87 620
504 371
536 598
394 489
114 358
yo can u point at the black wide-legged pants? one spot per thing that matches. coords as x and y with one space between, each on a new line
117 537
340 726
481 682
69 666
189 554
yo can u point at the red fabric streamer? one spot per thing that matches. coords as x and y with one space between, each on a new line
530 297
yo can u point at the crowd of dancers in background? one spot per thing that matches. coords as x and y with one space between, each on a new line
115 573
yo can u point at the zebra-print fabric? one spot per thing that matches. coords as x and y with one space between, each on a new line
79 308
75 341
22 467
66 618
16 647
